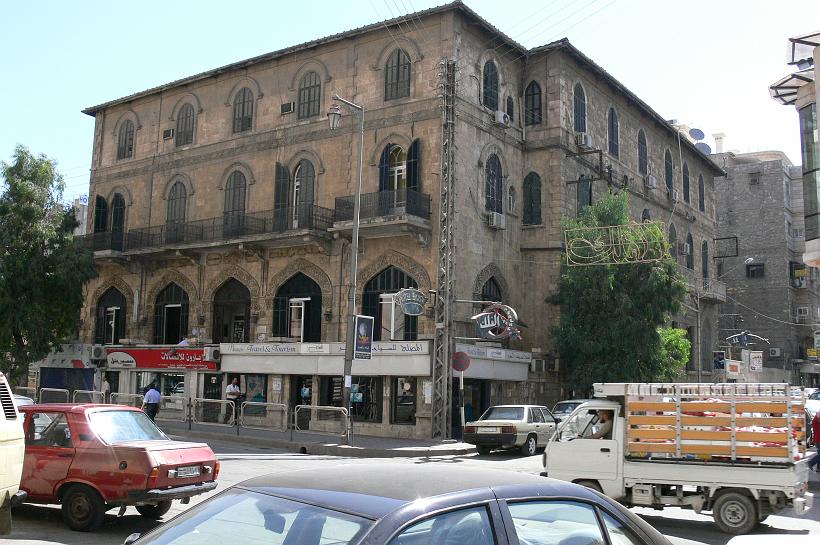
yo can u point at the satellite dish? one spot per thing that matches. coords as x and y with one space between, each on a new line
697 134
704 148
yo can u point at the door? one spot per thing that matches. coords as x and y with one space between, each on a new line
550 424
301 393
539 425
49 452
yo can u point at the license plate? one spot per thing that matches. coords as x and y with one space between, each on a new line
188 471
487 430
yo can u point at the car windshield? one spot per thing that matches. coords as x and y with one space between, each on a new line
503 413
815 395
123 426
564 408
251 518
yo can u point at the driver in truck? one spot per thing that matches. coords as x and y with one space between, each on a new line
605 426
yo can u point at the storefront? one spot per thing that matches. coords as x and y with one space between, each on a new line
172 370
70 369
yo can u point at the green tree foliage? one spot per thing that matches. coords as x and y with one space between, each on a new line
42 267
612 316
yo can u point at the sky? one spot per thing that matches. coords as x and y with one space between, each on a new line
707 64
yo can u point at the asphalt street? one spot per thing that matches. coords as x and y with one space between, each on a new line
42 525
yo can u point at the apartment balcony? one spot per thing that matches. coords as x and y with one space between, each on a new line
281 227
105 243
708 289
385 213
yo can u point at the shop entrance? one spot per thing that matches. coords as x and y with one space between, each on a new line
476 401
301 393
212 386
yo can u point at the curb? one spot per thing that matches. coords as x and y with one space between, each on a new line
332 449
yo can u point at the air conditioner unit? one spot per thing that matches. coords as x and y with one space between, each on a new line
502 119
98 352
673 195
684 248
583 140
802 312
497 221
288 107
167 134
537 366
774 352
211 353
650 181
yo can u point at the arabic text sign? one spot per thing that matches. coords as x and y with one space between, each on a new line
158 358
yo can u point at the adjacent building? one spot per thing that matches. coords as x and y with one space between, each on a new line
221 213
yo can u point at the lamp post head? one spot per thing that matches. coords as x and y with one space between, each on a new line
334 115
748 261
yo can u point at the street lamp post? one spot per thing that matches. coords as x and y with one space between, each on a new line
334 116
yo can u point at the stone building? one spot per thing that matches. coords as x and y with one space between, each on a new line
222 212
772 292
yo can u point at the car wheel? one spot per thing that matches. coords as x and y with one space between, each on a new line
483 449
530 446
735 513
83 508
154 512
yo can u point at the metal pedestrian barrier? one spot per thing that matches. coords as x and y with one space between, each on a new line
321 419
132 400
173 408
256 415
26 391
53 395
88 396
216 412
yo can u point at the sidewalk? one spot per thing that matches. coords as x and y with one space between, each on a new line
365 446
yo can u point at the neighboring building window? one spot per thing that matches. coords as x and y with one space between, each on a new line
493 185
579 101
643 162
669 171
532 199
125 142
243 110
397 75
297 310
583 195
511 109
491 291
100 214
310 91
234 211
645 215
690 252
701 194
755 270
231 313
613 132
175 216
686 183
185 125
673 240
511 200
390 323
111 316
490 87
399 170
117 222
532 104
404 400
303 191
704 259
171 315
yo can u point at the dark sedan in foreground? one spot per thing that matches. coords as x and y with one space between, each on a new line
404 504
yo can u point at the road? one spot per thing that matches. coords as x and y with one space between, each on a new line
42 525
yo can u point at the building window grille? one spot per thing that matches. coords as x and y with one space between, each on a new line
493 185
310 90
243 111
643 162
171 315
579 101
185 125
669 169
613 132
397 75
491 291
701 194
234 211
490 87
532 199
100 214
690 254
532 104
686 183
125 142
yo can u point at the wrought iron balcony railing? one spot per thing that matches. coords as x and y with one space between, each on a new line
385 203
104 241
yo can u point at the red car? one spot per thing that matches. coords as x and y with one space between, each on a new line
92 458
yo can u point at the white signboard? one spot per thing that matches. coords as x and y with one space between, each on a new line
817 339
755 361
501 354
392 348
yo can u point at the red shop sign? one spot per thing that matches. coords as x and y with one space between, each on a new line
158 358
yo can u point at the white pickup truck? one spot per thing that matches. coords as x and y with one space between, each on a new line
11 456
737 450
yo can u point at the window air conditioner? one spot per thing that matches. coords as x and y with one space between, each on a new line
211 353
650 181
673 195
288 107
502 119
684 248
583 140
167 134
774 352
98 352
497 221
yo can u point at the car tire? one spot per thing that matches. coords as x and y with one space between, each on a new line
530 446
154 512
735 513
483 449
82 507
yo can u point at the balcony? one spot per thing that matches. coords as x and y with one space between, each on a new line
708 289
385 213
106 242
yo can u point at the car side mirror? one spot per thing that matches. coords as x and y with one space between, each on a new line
131 539
557 420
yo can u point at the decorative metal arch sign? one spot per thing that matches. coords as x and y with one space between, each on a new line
497 322
616 245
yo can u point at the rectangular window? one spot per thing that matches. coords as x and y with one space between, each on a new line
296 322
808 137
551 521
49 430
366 396
392 319
404 400
755 270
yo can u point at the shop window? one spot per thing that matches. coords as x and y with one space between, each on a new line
404 400
256 390
111 315
297 310
390 323
366 396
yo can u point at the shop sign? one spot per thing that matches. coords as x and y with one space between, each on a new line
411 300
363 342
497 322
811 353
817 339
158 358
755 361
732 368
478 352
403 348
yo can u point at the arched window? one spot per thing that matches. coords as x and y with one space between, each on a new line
243 110
302 195
686 183
701 194
117 222
125 142
690 252
579 101
111 315
175 217
583 194
397 75
613 132
643 161
511 108
532 199
493 185
704 259
100 214
673 240
234 211
490 87
390 323
310 94
491 291
646 215
669 171
232 313
532 104
297 310
171 315
185 125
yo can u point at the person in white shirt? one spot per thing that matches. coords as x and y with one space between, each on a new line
105 388
151 401
233 393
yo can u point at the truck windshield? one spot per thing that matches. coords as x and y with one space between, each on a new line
503 413
123 426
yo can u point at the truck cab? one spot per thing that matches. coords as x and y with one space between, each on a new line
11 456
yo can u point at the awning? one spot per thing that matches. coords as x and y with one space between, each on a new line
785 90
801 48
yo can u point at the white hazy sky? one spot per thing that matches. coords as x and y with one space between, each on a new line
705 63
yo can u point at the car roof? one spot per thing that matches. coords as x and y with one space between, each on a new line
73 407
374 490
572 401
520 405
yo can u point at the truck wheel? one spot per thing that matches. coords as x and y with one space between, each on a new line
735 513
592 485
530 446
154 512
483 450
83 508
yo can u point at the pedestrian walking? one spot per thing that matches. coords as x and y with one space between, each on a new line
150 403
105 388
234 395
815 433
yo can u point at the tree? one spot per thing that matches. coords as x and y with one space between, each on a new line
42 266
613 317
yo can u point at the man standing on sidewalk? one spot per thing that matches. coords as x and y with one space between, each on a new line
815 431
151 401
233 393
